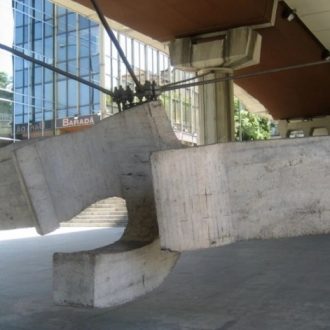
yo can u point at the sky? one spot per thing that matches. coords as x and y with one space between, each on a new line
6 35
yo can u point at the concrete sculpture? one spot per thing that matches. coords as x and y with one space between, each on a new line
223 193
56 178
206 196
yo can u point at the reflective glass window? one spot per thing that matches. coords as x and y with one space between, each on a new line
94 38
95 63
48 9
48 29
83 22
37 75
61 24
49 47
48 94
61 113
61 10
72 51
38 48
71 22
39 115
18 63
18 118
84 110
72 87
83 42
61 47
83 94
84 66
19 78
18 18
62 94
62 66
38 10
48 114
19 35
72 67
38 30
72 112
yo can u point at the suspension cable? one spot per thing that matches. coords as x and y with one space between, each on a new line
54 69
186 80
242 76
115 42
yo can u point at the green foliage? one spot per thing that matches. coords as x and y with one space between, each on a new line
254 127
5 106
4 80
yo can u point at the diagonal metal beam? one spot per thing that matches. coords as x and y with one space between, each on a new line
115 42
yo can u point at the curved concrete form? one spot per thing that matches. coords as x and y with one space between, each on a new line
218 194
15 210
63 175
110 275
58 177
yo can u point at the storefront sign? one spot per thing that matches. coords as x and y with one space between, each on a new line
77 121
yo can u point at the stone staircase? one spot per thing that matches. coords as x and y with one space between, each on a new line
110 212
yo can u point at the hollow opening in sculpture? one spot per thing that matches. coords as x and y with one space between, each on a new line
108 212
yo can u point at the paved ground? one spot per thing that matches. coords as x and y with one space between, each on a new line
283 284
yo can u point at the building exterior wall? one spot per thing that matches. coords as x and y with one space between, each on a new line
80 46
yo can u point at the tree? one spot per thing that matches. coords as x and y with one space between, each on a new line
4 80
5 96
253 126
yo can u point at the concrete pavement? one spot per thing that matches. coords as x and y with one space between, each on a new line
275 284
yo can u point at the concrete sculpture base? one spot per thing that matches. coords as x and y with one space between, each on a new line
218 194
110 275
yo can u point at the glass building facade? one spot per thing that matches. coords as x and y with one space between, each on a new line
75 44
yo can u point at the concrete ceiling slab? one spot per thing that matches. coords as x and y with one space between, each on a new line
164 20
289 94
316 15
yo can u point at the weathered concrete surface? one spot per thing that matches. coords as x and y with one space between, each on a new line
110 275
114 160
58 177
15 211
63 175
214 195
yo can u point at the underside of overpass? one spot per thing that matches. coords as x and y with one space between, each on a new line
295 93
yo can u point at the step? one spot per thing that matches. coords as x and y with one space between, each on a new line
92 224
124 220
101 216
101 206
97 220
111 200
110 203
104 212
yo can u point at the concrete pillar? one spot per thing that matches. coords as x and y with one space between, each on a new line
216 114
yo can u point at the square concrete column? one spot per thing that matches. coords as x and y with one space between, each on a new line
216 109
